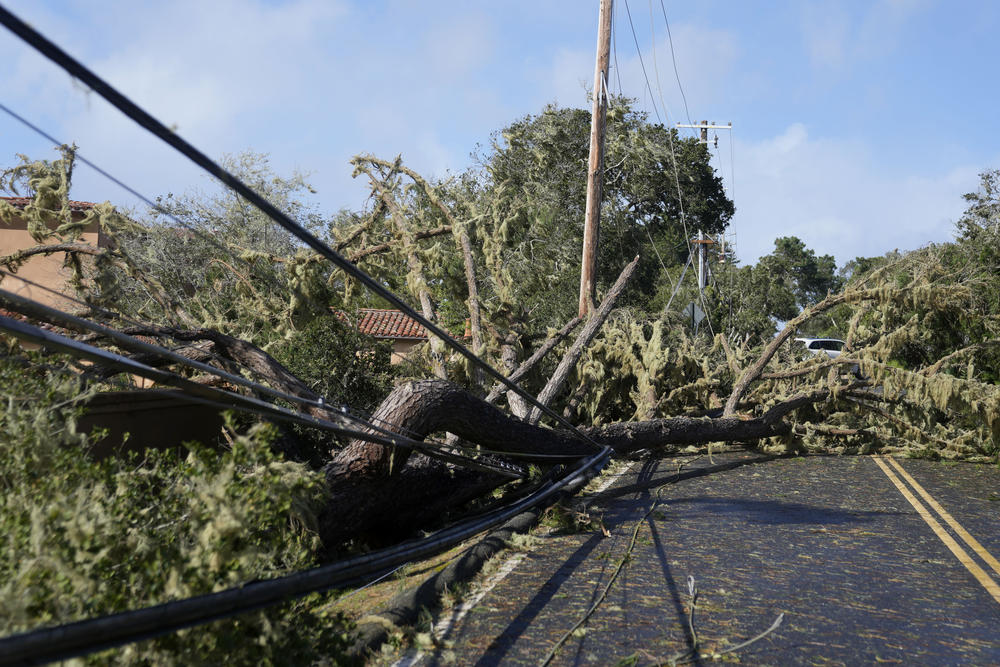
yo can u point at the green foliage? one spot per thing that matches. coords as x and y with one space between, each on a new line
322 355
82 539
532 190
50 220
316 355
642 369
229 267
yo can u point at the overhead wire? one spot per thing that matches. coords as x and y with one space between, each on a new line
21 303
144 119
732 168
47 313
673 57
669 131
642 64
224 399
614 48
670 134
78 156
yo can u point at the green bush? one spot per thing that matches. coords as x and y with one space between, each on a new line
338 363
341 365
84 539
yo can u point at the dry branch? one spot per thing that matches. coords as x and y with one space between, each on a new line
385 247
754 373
593 325
533 360
79 248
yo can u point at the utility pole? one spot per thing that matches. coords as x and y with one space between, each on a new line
705 126
595 168
702 244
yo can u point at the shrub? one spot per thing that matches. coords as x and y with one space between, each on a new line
84 539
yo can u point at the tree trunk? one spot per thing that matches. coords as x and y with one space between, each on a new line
372 490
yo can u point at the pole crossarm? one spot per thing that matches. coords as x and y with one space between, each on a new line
706 126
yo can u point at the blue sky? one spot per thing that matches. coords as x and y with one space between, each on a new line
857 125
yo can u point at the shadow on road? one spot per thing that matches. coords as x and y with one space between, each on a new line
771 512
506 639
646 482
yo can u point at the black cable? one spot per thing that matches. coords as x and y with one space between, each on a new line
145 120
49 314
40 311
207 238
227 400
88 636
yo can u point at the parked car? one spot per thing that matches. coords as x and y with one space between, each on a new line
832 347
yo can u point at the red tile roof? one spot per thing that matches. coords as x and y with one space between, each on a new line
21 202
390 324
381 323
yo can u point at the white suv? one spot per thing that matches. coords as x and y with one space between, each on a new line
832 347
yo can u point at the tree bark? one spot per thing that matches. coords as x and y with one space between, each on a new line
509 348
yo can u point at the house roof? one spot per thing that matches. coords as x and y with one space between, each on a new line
389 324
381 323
21 202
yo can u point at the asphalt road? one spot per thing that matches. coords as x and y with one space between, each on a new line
832 543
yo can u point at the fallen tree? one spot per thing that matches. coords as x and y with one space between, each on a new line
631 381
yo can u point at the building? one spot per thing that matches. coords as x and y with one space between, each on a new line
401 330
47 270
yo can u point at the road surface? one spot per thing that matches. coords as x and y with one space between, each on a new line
861 574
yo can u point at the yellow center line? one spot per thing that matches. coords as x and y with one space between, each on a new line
961 554
955 525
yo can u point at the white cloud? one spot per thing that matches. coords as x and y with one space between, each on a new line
835 38
834 196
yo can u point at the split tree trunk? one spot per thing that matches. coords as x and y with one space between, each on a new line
374 495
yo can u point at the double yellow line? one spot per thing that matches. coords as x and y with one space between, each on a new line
991 585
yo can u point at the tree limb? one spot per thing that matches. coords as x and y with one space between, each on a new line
590 330
465 245
80 248
385 247
939 364
533 360
753 373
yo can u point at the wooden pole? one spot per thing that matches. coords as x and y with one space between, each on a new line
595 169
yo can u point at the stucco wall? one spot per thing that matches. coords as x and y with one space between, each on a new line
401 348
47 270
